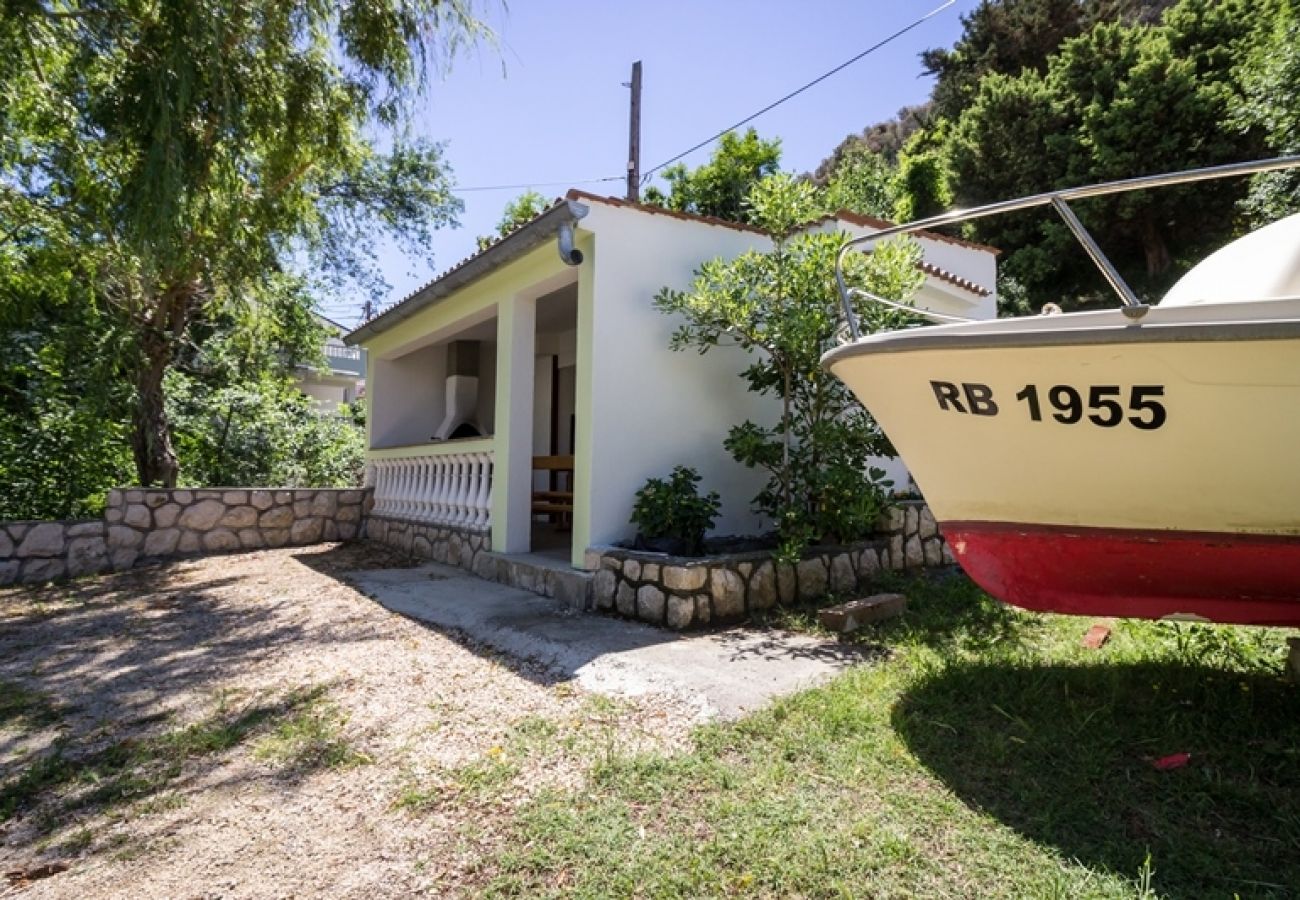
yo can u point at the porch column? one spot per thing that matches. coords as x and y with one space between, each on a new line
512 488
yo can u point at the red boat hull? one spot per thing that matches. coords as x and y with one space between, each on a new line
1246 579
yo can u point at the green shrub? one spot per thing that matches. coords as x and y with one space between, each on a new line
783 308
671 515
263 432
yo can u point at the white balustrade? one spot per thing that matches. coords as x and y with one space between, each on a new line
442 484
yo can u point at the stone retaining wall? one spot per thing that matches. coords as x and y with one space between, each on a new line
148 524
472 550
683 592
32 552
440 543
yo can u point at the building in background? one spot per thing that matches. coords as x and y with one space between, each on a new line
345 379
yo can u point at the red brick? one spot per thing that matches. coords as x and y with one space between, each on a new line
853 615
1097 635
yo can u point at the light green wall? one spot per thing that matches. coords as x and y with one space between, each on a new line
583 405
472 301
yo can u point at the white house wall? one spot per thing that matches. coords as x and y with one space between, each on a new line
653 409
971 263
328 396
407 397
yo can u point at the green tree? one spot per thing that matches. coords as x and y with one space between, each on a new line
781 307
237 415
519 211
62 399
999 36
861 181
1270 79
922 182
883 138
1117 101
720 186
185 153
1008 37
261 431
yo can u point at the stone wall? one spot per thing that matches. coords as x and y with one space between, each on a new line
32 552
148 524
440 543
685 592
472 550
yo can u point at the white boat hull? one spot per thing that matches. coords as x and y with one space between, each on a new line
1087 463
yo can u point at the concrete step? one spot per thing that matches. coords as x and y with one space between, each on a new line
539 574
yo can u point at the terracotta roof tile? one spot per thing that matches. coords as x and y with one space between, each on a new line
845 215
576 194
944 275
872 222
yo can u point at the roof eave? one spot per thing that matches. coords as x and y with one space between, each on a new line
504 251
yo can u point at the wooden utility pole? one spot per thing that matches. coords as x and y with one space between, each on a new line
634 137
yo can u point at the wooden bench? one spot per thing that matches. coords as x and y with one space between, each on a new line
555 503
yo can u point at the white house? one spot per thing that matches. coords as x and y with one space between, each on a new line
543 353
345 378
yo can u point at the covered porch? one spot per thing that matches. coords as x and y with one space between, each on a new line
477 408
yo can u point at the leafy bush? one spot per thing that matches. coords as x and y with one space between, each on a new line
261 433
64 412
782 307
673 513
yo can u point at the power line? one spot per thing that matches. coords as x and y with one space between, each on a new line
797 91
524 185
771 106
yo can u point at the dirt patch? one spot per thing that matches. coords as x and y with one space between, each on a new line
252 726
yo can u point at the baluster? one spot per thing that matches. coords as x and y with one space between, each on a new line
491 467
390 487
453 489
476 475
434 484
381 487
374 472
405 507
448 489
422 489
413 489
484 487
460 487
413 496
471 489
439 489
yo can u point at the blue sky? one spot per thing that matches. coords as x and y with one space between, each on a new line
548 103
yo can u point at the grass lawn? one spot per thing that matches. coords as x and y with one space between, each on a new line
988 755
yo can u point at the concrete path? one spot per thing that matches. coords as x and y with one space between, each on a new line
721 674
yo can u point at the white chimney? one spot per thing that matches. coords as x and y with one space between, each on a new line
461 419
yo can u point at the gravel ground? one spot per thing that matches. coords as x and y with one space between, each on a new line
252 726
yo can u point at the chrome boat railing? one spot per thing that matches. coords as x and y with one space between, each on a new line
1058 200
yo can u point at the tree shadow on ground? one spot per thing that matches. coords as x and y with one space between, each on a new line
1069 756
115 647
756 642
101 680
